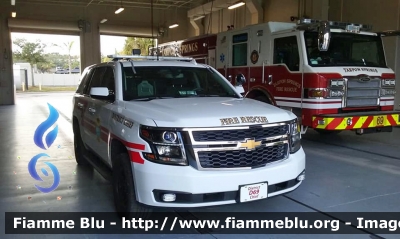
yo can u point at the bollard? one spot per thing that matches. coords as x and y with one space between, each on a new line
23 87
40 86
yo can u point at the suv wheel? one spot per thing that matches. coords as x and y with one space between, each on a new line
124 189
79 148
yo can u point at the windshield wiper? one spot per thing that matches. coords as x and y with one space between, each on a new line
151 98
205 95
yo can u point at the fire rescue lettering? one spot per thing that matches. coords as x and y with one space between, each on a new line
122 120
287 89
246 119
188 48
360 69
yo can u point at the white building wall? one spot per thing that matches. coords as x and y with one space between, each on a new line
57 79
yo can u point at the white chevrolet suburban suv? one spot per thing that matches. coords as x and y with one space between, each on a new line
174 133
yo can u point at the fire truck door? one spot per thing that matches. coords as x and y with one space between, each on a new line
239 58
283 76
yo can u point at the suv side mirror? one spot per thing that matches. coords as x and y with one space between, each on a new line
240 79
324 36
99 91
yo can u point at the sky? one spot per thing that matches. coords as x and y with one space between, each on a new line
108 43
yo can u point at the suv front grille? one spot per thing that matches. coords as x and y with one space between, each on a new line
240 134
242 158
241 147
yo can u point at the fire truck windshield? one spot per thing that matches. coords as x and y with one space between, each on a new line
346 49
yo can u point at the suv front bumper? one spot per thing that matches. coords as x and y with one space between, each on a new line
194 188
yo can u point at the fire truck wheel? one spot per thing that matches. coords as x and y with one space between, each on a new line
328 132
263 98
79 148
124 189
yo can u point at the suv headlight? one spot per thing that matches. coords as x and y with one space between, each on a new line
167 146
295 136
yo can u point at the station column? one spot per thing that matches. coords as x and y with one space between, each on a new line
90 42
7 90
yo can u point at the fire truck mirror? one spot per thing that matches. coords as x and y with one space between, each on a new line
240 79
324 36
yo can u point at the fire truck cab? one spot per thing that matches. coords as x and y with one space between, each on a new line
332 75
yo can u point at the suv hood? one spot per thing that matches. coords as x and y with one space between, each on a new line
205 112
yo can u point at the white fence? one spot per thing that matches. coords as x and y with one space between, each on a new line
56 79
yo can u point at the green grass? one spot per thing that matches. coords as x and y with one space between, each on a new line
48 89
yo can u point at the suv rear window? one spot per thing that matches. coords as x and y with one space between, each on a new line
173 82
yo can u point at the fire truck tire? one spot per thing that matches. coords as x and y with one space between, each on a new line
124 189
328 132
263 98
79 148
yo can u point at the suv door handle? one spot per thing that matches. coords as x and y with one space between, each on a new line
80 105
92 110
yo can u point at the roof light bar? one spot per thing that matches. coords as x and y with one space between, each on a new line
165 58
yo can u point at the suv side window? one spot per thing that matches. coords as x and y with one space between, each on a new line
97 77
286 51
109 82
103 76
86 87
87 74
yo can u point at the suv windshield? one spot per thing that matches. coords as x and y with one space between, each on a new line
149 82
346 49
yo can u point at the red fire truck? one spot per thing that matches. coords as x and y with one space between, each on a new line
333 75
201 48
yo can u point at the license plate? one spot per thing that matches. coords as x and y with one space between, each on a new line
253 192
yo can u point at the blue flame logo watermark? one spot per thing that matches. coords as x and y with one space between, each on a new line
44 137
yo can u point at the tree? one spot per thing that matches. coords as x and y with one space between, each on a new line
137 43
105 58
68 47
54 60
31 52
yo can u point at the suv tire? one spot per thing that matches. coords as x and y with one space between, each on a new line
124 189
79 148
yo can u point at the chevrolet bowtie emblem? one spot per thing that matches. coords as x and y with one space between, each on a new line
250 144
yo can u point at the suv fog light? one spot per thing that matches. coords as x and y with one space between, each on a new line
169 197
301 177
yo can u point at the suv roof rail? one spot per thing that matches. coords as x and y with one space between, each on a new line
306 23
156 58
